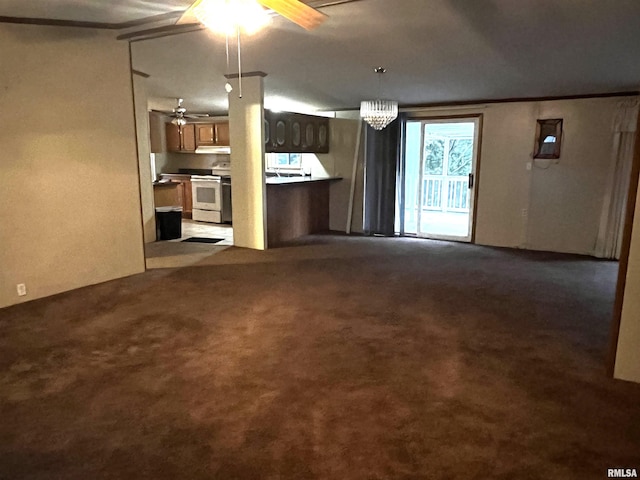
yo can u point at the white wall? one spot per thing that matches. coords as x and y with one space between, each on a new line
69 189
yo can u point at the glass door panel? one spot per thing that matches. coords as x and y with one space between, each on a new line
440 161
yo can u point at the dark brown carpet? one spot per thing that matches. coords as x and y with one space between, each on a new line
340 358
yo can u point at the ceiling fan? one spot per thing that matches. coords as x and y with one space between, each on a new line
301 12
242 13
179 114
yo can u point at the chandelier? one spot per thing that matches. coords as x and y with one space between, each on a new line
379 113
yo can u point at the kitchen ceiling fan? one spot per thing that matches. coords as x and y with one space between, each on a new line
179 114
225 15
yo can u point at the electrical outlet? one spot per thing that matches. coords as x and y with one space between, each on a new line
525 212
22 289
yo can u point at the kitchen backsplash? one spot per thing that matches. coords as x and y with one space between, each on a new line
172 162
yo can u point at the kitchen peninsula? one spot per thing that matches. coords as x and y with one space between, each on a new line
296 206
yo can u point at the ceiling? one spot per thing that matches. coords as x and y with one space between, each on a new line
435 51
101 11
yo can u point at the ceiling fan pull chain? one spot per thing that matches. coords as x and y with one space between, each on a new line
239 66
227 85
227 51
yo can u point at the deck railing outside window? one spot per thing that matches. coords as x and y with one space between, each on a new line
456 189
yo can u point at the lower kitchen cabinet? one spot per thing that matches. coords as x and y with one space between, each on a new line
184 195
295 209
167 194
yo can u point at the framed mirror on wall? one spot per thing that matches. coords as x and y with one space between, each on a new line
548 138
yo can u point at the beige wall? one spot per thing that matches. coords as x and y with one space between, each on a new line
628 358
172 162
69 189
144 153
503 181
339 163
567 197
552 206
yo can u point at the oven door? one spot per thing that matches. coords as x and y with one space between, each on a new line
206 194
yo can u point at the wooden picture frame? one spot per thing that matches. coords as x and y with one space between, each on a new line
548 138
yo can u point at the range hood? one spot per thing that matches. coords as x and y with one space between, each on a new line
216 150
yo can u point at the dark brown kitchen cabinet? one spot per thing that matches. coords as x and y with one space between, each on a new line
212 134
181 138
295 133
323 136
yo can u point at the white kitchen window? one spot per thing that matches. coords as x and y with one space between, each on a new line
285 160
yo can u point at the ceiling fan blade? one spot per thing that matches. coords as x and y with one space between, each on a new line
188 16
296 11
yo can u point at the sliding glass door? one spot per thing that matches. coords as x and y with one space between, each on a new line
439 178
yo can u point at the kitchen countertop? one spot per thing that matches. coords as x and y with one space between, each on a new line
290 180
166 184
176 175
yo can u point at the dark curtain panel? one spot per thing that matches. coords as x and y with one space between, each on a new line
382 158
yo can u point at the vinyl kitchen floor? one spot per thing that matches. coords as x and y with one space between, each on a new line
176 253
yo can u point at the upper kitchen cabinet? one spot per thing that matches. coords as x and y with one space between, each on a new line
296 133
222 137
323 136
205 135
212 134
181 138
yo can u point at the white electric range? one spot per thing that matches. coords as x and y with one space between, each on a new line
212 195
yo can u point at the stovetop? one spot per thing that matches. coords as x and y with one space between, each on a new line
220 171
195 171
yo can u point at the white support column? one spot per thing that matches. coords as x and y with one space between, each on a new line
246 129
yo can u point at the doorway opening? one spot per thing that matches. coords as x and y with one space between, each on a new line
437 192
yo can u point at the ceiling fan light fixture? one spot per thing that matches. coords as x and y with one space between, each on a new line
227 16
180 121
379 113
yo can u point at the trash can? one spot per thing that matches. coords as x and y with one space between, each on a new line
168 223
